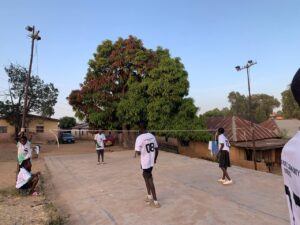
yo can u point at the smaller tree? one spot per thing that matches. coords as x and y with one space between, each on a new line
217 112
290 107
41 96
67 122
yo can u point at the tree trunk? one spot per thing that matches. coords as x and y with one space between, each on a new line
125 138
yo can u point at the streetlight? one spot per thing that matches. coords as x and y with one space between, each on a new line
34 35
238 68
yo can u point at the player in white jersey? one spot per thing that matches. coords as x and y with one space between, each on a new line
146 146
290 164
99 141
224 159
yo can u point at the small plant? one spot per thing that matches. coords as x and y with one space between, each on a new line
54 217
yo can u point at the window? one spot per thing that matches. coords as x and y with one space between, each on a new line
3 129
40 129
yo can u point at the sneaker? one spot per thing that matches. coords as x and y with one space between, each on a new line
228 182
98 163
148 200
221 180
155 204
103 162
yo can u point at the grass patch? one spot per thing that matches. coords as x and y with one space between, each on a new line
8 192
54 217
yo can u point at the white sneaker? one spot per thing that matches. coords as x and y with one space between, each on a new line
228 182
155 204
148 200
98 163
221 180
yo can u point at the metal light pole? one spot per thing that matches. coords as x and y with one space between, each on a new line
238 68
34 35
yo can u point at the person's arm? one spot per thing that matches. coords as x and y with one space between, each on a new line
156 154
221 146
137 147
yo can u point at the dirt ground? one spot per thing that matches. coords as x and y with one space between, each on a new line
16 208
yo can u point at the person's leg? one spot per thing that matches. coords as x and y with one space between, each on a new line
226 174
147 185
98 154
34 182
152 188
102 155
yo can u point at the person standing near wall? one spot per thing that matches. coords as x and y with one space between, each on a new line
224 159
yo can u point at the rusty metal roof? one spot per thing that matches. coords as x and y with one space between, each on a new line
238 129
263 144
271 125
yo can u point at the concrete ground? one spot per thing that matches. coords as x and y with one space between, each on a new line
187 189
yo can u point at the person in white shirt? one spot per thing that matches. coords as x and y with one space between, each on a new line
290 164
99 141
146 147
26 180
24 149
224 159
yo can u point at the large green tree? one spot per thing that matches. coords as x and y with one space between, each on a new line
127 83
41 96
290 108
262 105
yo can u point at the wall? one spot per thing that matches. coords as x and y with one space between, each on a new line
83 134
47 135
9 136
237 155
37 137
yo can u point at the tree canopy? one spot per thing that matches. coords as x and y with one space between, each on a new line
67 122
290 107
127 83
262 105
41 96
217 112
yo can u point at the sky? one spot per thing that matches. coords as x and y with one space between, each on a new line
210 36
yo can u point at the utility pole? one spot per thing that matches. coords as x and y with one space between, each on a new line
34 35
238 68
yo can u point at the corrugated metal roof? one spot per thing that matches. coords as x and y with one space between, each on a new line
263 144
287 128
271 125
238 129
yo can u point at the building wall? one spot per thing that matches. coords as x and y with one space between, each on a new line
44 137
237 155
83 134
50 130
9 136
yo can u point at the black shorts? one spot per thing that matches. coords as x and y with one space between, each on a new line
147 172
27 185
100 151
224 160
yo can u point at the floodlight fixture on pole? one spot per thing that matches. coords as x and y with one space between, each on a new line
34 35
238 68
